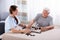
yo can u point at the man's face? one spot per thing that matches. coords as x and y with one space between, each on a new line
45 13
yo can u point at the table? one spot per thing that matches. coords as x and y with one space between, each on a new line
53 34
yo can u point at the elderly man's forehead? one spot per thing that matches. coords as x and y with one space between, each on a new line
46 10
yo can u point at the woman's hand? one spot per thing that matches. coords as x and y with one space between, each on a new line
22 25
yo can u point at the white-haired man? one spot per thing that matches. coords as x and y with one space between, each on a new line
44 21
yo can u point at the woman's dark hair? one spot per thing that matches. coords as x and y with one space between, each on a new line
12 8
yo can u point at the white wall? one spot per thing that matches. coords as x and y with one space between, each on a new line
36 6
4 7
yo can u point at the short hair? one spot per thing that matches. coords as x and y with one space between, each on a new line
12 8
46 9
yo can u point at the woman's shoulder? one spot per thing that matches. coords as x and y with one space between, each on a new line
8 18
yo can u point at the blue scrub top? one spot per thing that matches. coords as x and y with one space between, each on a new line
10 22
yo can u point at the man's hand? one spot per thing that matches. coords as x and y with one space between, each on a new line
47 28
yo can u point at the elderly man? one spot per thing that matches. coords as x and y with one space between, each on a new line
43 21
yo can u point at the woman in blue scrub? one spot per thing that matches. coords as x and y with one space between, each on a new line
12 23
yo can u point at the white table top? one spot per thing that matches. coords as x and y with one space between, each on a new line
48 35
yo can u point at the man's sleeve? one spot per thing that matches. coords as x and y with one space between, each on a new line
51 21
37 17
